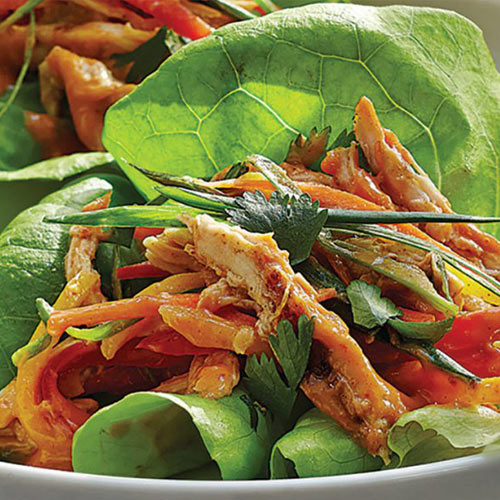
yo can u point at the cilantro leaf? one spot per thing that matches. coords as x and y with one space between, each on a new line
307 151
265 383
293 351
343 140
295 221
147 57
266 386
369 309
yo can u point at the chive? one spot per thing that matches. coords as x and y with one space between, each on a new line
233 10
128 216
340 216
390 268
27 8
267 6
172 180
28 52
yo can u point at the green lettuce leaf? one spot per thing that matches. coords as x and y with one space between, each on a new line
435 433
318 446
164 435
32 262
59 168
17 146
297 69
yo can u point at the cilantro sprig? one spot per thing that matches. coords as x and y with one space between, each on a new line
294 222
274 390
372 311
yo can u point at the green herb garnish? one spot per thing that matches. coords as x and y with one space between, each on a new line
265 383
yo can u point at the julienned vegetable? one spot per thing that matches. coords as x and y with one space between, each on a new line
328 315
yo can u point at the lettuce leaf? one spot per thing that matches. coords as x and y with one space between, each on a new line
435 433
17 146
297 69
59 168
32 261
161 435
318 446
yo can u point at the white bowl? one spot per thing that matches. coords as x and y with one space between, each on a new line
460 479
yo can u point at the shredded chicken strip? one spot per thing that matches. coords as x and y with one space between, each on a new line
343 165
94 39
399 176
89 87
360 400
214 376
84 243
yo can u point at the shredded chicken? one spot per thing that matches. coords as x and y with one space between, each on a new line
89 87
343 165
55 136
220 294
166 251
358 398
94 39
84 243
410 188
215 375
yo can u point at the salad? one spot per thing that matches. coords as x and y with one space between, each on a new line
277 254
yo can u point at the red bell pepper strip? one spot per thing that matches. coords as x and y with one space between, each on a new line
172 344
471 340
142 233
140 270
175 16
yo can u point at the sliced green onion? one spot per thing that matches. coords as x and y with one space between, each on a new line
275 174
44 309
390 268
201 201
128 216
31 350
321 277
165 179
100 332
459 263
427 353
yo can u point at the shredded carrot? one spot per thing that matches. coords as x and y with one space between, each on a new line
416 316
205 329
137 307
99 203
175 284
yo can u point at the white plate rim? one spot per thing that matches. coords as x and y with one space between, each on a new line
347 481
